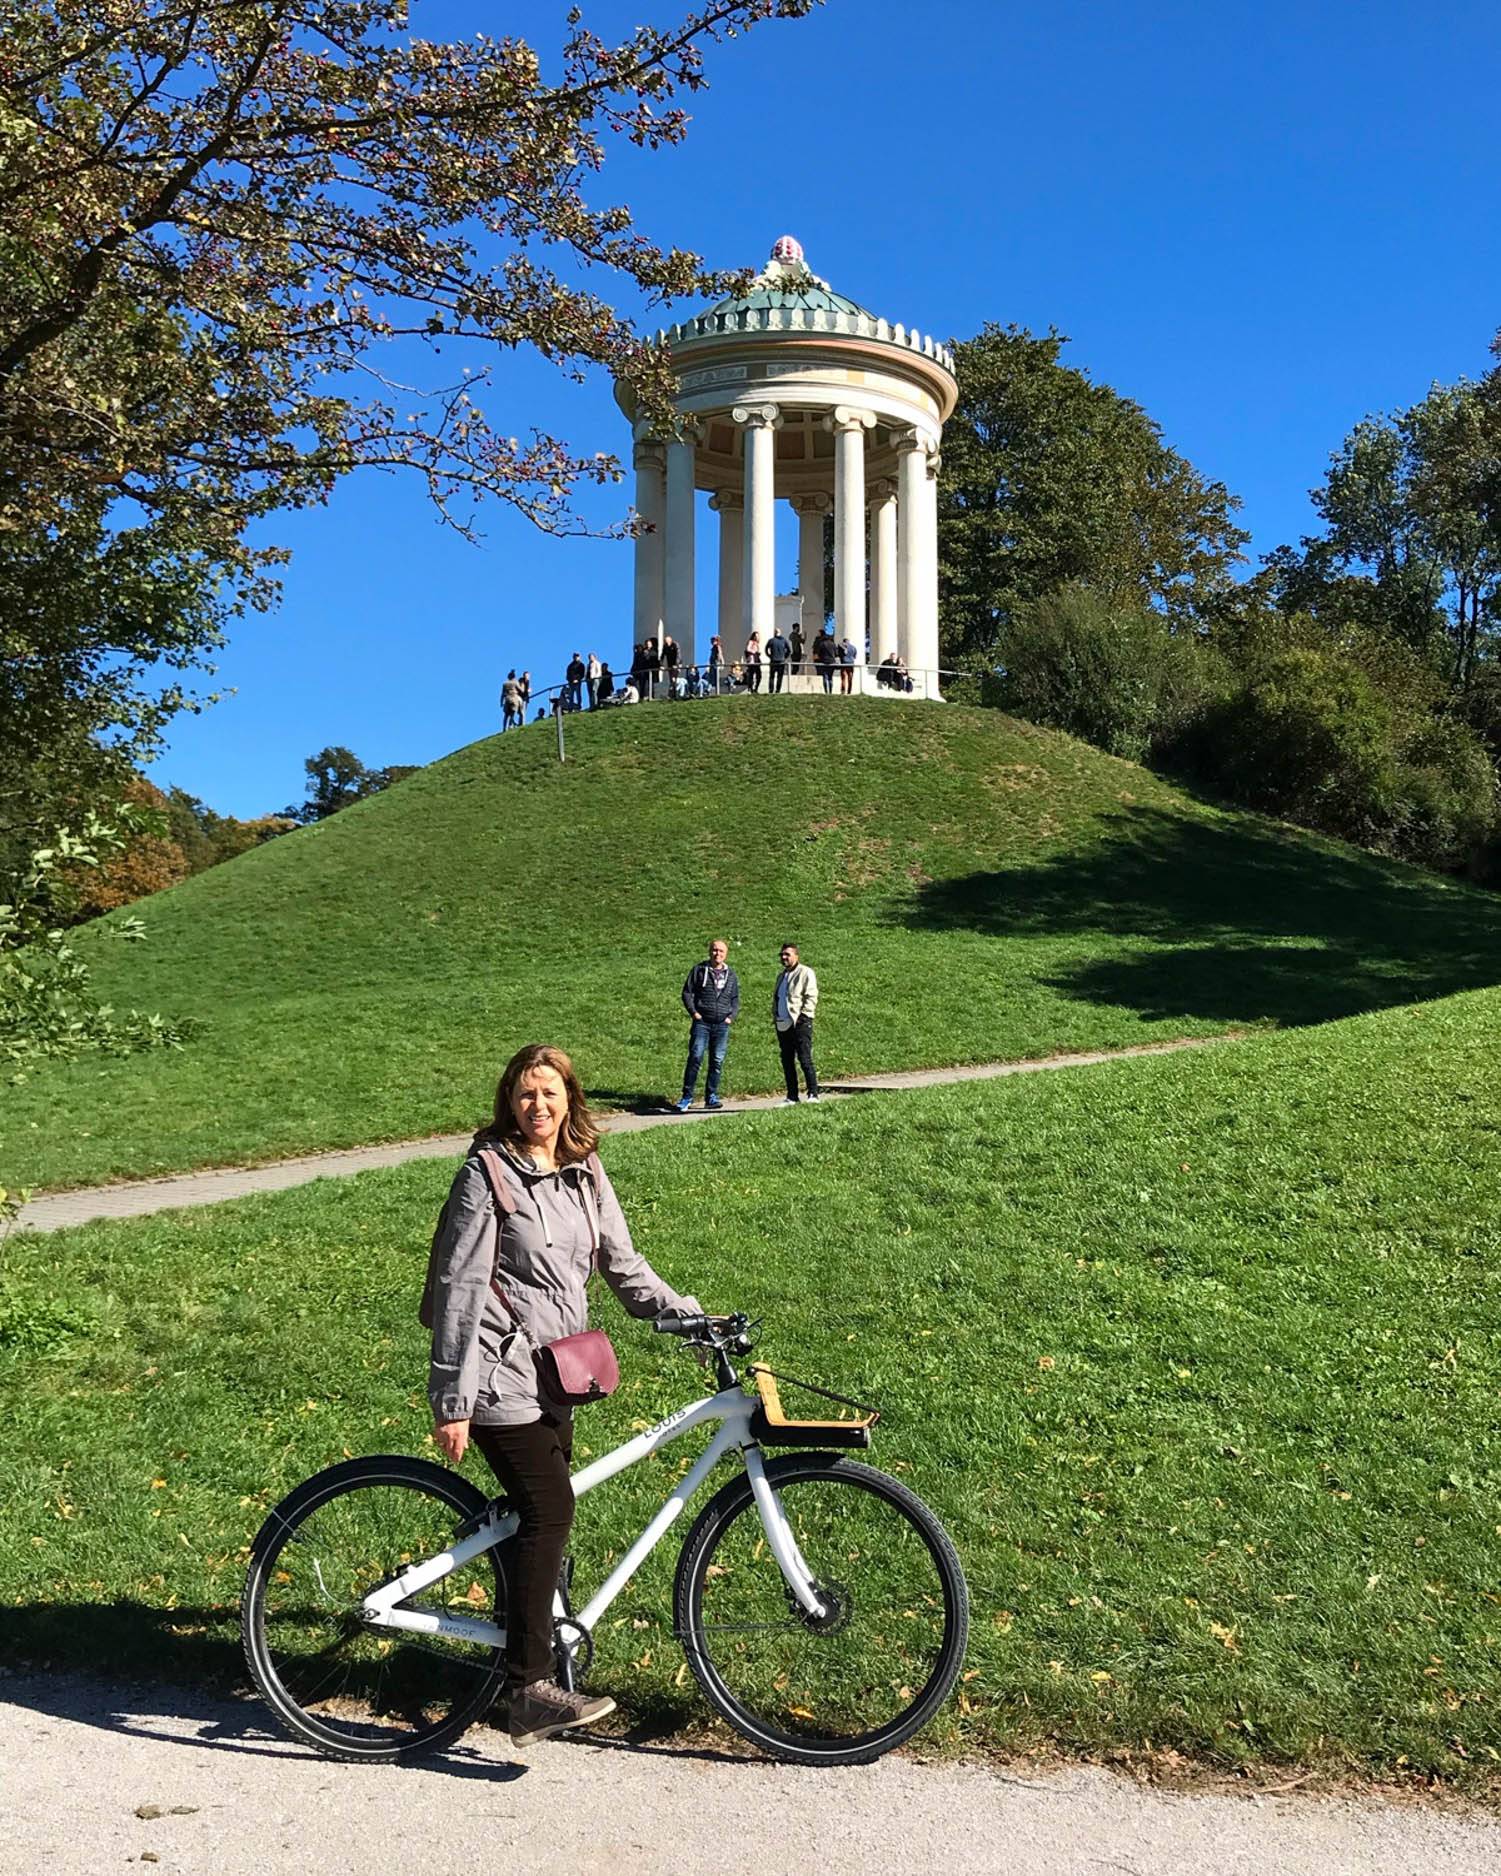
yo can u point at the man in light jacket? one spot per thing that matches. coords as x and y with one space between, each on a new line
711 996
792 1005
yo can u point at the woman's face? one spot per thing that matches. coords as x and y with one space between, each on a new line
540 1103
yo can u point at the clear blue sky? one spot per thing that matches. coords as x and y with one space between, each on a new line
1258 221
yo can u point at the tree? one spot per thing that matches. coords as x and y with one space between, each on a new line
1049 479
229 233
147 859
337 778
1412 536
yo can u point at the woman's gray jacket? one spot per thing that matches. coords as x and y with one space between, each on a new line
482 1368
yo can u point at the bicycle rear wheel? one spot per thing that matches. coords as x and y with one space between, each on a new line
845 1687
353 1691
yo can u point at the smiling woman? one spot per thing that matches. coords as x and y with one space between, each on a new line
530 1216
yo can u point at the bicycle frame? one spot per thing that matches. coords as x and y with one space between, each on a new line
732 1408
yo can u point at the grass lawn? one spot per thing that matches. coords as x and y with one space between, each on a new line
968 888
1195 1355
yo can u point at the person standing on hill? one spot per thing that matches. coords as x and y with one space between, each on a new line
593 670
824 654
711 996
793 1003
575 674
848 659
526 693
795 646
753 662
512 705
777 652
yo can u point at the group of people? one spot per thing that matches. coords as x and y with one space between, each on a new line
529 1217
711 996
657 670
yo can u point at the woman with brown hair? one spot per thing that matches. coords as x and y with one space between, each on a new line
483 1383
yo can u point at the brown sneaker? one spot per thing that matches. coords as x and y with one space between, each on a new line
544 1708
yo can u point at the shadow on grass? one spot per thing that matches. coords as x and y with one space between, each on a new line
1265 923
180 1665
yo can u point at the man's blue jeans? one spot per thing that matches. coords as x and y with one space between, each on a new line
715 1038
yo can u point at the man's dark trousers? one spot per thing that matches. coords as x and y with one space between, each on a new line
715 1037
796 1045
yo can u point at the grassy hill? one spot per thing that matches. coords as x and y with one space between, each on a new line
967 887
1194 1354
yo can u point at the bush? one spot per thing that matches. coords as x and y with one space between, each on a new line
1311 733
1112 674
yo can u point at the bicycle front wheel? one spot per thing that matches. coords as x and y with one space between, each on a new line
353 1691
843 1687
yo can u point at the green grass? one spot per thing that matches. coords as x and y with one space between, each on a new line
1195 1355
968 888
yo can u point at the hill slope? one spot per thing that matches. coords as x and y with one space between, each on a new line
966 886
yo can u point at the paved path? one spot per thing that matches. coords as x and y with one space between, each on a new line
52 1211
82 1761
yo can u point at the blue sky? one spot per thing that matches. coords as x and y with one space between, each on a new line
1258 221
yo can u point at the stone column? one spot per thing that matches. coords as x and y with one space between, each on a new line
810 511
678 602
760 571
729 505
917 572
929 646
650 560
885 597
849 427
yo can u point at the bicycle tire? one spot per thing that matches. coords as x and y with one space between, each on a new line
882 1547
400 1694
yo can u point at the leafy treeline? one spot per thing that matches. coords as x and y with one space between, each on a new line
1352 684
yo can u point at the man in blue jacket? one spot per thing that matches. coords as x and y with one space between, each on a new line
711 996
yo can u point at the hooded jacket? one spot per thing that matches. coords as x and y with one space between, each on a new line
482 1367
700 998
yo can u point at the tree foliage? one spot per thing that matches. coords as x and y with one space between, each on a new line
48 1008
337 779
1412 530
1049 480
233 238
1111 673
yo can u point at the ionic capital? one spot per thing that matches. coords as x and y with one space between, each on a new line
883 489
814 502
905 441
687 430
845 417
649 453
723 501
758 416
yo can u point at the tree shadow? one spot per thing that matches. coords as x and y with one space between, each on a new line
181 1664
1265 923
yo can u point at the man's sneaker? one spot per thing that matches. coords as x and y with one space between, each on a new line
685 1103
544 1708
789 1100
713 1101
815 1097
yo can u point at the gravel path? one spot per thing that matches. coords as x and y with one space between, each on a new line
83 1762
54 1210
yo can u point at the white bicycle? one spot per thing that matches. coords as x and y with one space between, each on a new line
819 1602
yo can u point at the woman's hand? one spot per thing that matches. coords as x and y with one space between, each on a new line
451 1438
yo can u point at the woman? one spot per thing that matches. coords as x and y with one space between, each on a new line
753 660
483 1382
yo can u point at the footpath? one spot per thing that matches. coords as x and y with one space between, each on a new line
52 1211
100 1778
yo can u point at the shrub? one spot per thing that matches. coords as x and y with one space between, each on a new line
1112 674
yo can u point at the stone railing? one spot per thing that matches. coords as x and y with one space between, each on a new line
807 319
